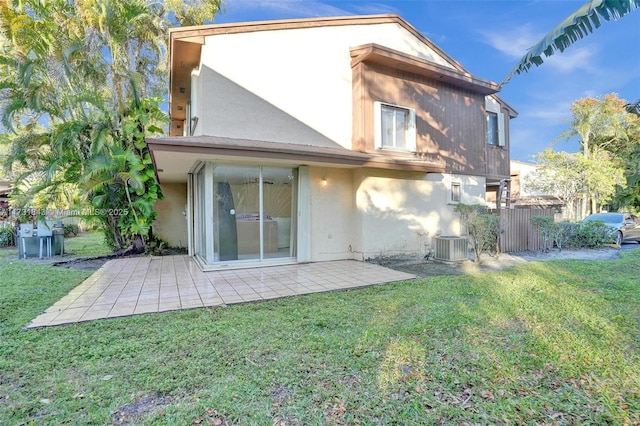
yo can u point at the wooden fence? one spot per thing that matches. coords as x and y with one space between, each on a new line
518 233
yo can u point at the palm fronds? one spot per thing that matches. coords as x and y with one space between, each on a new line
576 26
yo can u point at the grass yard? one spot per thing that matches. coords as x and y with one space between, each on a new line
542 343
86 244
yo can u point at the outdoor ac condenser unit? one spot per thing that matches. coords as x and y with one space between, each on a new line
450 248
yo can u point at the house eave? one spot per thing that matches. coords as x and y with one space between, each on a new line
381 55
166 151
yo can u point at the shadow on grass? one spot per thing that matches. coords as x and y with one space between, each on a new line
539 343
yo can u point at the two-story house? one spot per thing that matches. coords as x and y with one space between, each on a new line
321 139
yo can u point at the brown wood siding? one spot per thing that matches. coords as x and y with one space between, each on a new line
359 112
449 120
497 161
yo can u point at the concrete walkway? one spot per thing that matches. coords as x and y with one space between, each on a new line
140 285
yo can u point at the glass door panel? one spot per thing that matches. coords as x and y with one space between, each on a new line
278 184
236 213
199 210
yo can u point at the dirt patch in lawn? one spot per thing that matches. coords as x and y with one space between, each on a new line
430 268
132 412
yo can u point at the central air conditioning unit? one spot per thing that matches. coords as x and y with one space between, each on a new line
450 248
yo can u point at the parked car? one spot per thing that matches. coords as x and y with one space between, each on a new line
626 225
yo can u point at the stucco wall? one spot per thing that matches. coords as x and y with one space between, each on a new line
171 224
397 212
332 207
289 60
367 213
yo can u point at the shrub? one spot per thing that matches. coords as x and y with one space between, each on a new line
483 228
8 236
593 234
558 234
71 229
547 227
571 234
563 234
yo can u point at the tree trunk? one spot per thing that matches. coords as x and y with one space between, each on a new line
136 247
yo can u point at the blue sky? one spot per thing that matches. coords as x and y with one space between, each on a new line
488 38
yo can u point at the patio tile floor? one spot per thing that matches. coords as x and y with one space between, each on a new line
124 287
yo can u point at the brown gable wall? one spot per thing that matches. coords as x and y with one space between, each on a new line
450 121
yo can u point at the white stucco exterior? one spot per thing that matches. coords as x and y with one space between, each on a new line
524 171
367 213
304 72
295 86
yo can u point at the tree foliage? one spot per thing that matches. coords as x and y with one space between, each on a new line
571 177
600 123
79 82
194 12
606 129
573 28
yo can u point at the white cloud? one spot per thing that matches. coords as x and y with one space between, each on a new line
513 42
287 8
375 9
555 113
572 59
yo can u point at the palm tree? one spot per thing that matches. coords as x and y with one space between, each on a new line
575 27
78 81
72 77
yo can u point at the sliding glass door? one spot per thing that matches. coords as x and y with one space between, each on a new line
253 213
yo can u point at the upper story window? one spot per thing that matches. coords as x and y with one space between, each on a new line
395 127
494 127
492 137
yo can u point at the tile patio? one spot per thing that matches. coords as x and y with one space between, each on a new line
124 287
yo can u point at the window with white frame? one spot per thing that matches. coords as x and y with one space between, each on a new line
492 135
456 192
395 127
494 127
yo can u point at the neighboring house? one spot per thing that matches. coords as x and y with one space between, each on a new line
321 139
5 190
523 196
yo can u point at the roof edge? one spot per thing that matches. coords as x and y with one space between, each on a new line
194 32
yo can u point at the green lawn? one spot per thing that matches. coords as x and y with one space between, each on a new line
543 343
87 244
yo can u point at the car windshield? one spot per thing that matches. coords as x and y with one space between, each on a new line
607 217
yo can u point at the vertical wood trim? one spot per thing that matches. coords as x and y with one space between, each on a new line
358 84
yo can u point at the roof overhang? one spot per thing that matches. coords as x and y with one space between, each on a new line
374 53
174 157
5 187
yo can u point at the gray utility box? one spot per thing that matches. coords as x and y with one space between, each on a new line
32 245
450 248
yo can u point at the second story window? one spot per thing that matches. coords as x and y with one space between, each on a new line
492 135
495 130
395 127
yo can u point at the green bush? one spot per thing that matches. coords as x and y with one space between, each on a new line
572 234
71 229
8 236
482 226
563 234
593 234
546 226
